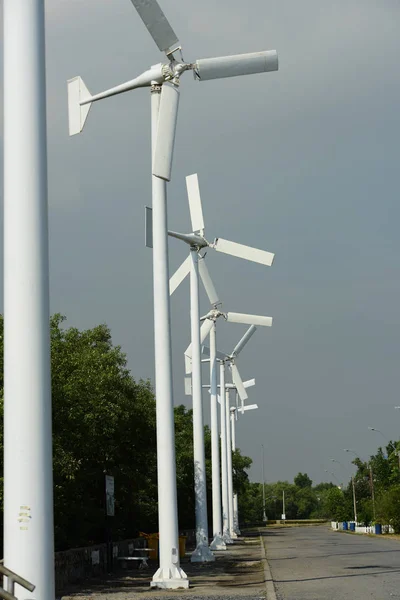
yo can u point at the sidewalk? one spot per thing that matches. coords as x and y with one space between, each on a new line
237 572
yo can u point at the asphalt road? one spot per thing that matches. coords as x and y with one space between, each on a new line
316 563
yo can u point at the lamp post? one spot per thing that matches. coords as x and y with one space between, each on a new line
263 485
368 463
333 475
353 488
379 431
339 463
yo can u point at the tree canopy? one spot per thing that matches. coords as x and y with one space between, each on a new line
104 423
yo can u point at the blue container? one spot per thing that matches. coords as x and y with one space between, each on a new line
352 526
345 526
378 529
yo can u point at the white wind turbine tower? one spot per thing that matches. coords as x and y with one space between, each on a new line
219 542
163 79
28 469
226 450
196 242
234 416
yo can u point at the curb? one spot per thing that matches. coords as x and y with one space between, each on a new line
269 582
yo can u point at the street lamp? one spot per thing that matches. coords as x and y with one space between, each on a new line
370 476
352 482
333 475
339 463
379 431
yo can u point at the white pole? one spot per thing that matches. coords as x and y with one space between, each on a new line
169 575
218 542
283 505
263 486
354 500
28 480
224 459
235 498
202 553
229 462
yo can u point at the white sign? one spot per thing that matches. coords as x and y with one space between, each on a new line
95 557
283 517
110 495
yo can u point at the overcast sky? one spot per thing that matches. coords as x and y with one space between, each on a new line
302 162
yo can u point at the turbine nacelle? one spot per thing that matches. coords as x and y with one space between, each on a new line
80 99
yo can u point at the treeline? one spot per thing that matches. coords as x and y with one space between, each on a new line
376 488
104 422
302 500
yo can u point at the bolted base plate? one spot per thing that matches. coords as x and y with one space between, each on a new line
202 554
227 538
170 579
218 543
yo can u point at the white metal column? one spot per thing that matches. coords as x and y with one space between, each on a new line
169 575
224 459
229 462
218 542
202 552
235 498
28 472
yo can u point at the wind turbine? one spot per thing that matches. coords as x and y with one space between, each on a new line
194 266
219 543
163 80
234 417
226 454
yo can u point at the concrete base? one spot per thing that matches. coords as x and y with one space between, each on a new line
170 579
233 535
202 554
227 538
218 543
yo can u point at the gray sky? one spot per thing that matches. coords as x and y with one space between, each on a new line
302 162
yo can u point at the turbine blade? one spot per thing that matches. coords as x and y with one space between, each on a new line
188 364
242 251
165 141
238 64
156 24
204 331
195 207
249 383
179 275
188 386
248 319
243 341
250 407
77 114
237 380
206 351
207 282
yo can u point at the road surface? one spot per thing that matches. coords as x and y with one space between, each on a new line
316 563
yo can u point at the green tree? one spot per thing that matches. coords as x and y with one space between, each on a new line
388 508
103 422
336 505
302 480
